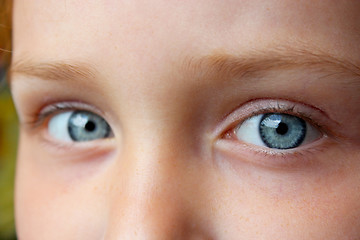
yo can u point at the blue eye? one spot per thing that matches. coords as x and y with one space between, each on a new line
78 126
277 130
282 131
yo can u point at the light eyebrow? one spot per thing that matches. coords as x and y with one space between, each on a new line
54 70
249 64
253 63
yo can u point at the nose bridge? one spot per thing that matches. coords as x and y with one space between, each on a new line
155 173
149 202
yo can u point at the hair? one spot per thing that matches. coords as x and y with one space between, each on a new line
5 32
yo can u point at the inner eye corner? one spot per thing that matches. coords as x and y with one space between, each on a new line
227 134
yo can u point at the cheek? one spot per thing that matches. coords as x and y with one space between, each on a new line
47 208
253 204
282 205
320 214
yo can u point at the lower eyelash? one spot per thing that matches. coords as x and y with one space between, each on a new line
272 158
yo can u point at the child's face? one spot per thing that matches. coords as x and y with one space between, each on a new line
187 119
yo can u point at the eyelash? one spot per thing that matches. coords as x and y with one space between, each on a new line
275 106
37 122
226 130
40 117
56 108
267 157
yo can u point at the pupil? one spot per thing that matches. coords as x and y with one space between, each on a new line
282 128
90 126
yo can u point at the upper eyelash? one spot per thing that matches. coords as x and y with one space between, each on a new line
263 106
56 108
59 107
280 109
232 147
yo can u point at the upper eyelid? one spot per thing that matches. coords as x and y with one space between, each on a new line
59 107
262 106
68 105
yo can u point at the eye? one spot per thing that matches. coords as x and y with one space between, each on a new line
277 130
78 126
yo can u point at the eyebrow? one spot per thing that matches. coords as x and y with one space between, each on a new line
247 64
254 63
54 70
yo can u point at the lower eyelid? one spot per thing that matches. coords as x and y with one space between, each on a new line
301 157
78 152
235 150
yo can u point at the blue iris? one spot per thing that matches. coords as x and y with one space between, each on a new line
87 126
282 131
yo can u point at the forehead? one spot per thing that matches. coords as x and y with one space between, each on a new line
140 29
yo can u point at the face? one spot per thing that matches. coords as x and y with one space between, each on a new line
187 119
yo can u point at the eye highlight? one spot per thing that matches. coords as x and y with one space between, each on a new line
78 126
277 131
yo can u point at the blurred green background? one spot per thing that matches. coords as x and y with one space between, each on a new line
8 128
8 141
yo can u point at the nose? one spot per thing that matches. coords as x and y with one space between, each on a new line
153 195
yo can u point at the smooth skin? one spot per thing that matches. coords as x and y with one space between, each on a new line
174 79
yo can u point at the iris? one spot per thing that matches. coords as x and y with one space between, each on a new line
282 131
86 126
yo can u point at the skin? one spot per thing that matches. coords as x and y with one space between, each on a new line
174 169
